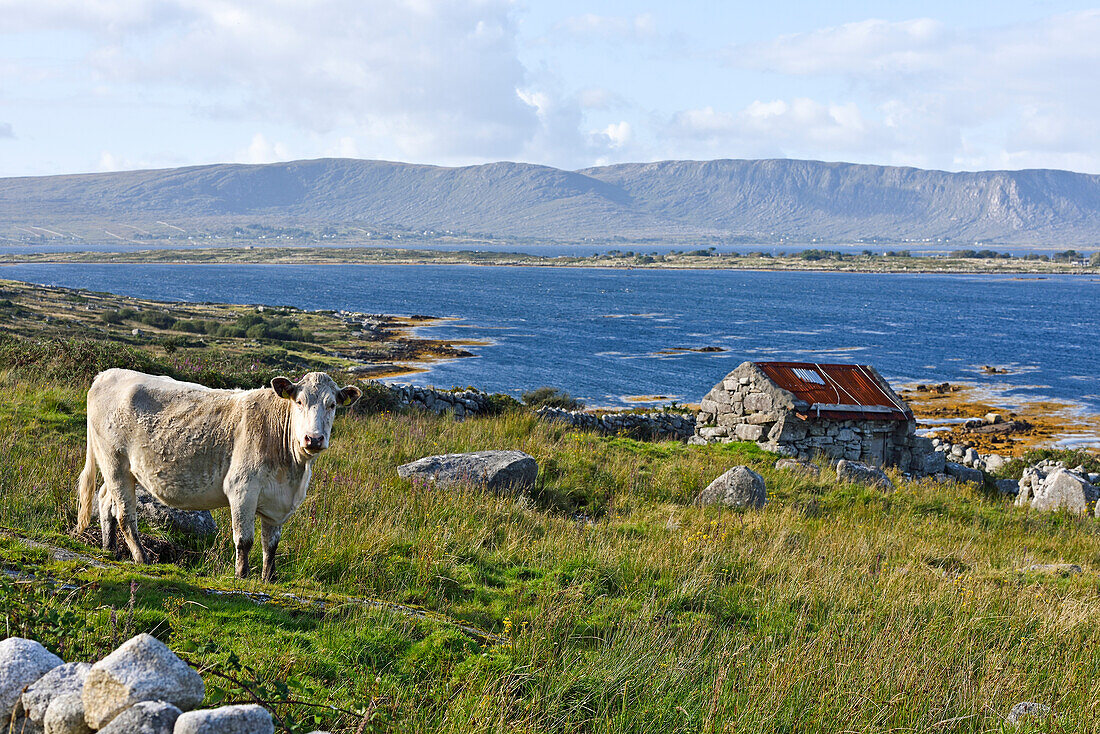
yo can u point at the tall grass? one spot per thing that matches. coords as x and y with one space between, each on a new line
835 608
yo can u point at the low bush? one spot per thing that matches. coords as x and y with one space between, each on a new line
551 396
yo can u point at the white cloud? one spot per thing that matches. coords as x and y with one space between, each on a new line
6 130
109 161
261 150
920 92
778 128
614 136
417 79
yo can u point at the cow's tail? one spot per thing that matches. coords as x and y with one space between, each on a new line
86 489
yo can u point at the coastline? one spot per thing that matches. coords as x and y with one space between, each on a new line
870 264
373 346
366 345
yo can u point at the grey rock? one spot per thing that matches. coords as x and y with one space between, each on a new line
860 473
497 470
961 473
747 432
969 457
245 719
798 466
188 522
994 462
22 662
198 523
147 717
930 463
141 669
1027 711
65 715
67 678
993 419
1055 569
738 487
1064 490
1008 486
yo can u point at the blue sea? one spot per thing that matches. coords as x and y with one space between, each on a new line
605 335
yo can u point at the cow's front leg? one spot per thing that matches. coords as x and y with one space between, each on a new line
269 535
242 510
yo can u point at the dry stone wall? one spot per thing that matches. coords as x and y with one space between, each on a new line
662 425
460 402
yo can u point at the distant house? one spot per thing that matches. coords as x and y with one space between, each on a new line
842 411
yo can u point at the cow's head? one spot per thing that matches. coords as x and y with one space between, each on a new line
313 403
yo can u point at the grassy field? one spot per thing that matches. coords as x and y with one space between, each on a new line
603 602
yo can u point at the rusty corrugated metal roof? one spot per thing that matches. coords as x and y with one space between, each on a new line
839 391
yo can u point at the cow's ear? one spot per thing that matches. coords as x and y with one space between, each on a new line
349 395
284 388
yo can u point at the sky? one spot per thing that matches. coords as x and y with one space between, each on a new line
103 85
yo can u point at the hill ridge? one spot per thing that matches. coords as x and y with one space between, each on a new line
767 200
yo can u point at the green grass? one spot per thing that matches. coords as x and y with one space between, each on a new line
836 608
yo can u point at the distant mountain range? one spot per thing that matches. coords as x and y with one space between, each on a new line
706 201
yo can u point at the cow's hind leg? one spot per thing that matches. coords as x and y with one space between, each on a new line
121 488
242 510
269 534
108 521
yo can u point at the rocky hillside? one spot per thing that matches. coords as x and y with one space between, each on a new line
766 201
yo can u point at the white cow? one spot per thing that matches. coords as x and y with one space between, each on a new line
196 448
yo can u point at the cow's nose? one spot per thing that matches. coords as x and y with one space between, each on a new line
315 443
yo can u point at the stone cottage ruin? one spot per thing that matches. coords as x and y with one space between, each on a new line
842 411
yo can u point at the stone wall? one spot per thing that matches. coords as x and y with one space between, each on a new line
459 402
747 406
663 425
659 425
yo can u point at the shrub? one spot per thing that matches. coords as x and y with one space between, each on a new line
551 396
500 403
1014 469
156 319
376 398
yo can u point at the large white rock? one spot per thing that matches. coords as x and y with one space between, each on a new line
67 678
147 717
141 669
496 470
246 719
65 715
1063 490
738 487
22 662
